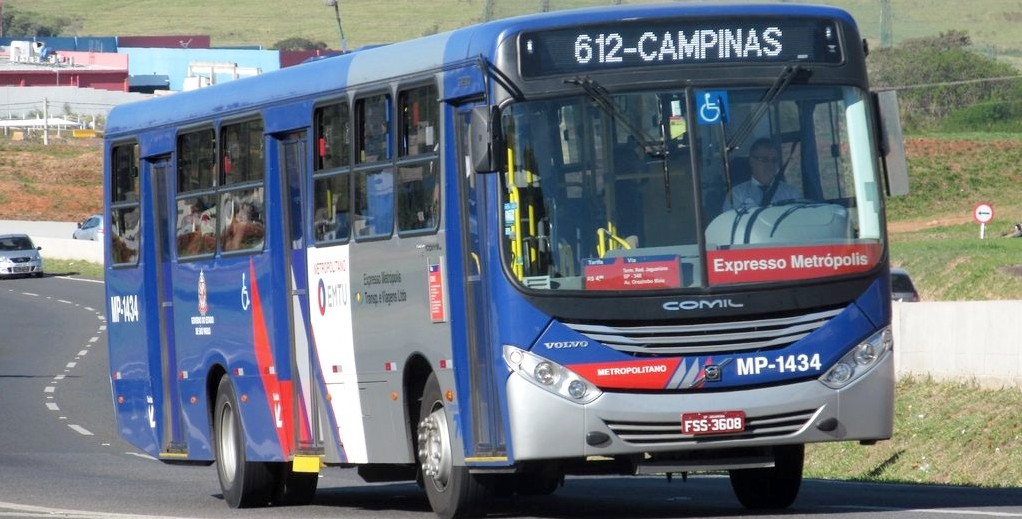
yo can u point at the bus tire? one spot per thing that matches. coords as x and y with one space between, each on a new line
771 488
294 488
244 483
453 492
539 481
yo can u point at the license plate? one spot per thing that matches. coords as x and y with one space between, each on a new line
714 422
22 269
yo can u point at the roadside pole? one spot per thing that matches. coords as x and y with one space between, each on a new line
983 213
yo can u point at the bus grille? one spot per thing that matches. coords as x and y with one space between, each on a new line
707 338
669 433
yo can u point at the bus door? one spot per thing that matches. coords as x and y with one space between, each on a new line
294 170
161 171
487 432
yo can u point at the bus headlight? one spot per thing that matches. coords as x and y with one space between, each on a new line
546 373
859 360
550 375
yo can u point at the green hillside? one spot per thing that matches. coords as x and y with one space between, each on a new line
991 23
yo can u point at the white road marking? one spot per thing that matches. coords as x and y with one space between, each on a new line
80 430
42 511
52 407
78 279
987 513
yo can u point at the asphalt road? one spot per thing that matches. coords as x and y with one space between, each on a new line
60 455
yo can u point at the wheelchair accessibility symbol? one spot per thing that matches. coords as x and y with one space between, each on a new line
711 106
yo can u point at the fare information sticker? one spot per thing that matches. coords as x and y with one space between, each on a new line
639 273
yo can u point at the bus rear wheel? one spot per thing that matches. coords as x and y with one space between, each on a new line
771 488
453 492
244 483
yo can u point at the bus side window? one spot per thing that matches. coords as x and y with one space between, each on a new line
241 191
374 198
196 205
418 188
196 226
332 177
332 217
418 197
123 226
374 188
241 220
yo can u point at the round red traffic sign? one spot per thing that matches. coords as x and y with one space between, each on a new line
983 213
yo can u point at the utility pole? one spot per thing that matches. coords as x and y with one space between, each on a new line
886 24
337 12
487 10
46 122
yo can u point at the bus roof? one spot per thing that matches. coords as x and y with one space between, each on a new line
380 63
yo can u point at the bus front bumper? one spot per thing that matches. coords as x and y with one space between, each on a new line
547 426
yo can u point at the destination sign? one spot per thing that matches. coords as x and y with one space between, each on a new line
671 42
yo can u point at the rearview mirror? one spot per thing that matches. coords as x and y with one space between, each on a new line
892 145
481 139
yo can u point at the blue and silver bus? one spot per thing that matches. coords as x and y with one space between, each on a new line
621 240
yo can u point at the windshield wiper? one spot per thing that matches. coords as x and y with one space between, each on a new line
653 148
781 82
599 95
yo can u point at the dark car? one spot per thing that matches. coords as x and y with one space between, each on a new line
902 288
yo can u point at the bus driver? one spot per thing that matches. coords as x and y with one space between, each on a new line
765 187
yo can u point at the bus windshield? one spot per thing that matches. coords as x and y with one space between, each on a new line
631 191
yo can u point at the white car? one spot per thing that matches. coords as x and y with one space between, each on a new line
90 228
19 256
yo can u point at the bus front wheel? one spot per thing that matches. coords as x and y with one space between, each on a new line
771 488
453 492
244 483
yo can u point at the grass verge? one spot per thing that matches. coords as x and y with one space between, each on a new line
944 433
84 269
953 264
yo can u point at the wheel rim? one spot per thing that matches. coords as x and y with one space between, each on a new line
228 451
435 449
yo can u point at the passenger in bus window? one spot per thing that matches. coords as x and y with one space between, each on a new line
245 231
195 232
765 187
192 221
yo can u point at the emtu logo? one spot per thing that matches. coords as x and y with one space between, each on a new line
330 296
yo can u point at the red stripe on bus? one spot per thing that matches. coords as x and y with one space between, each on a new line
264 359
